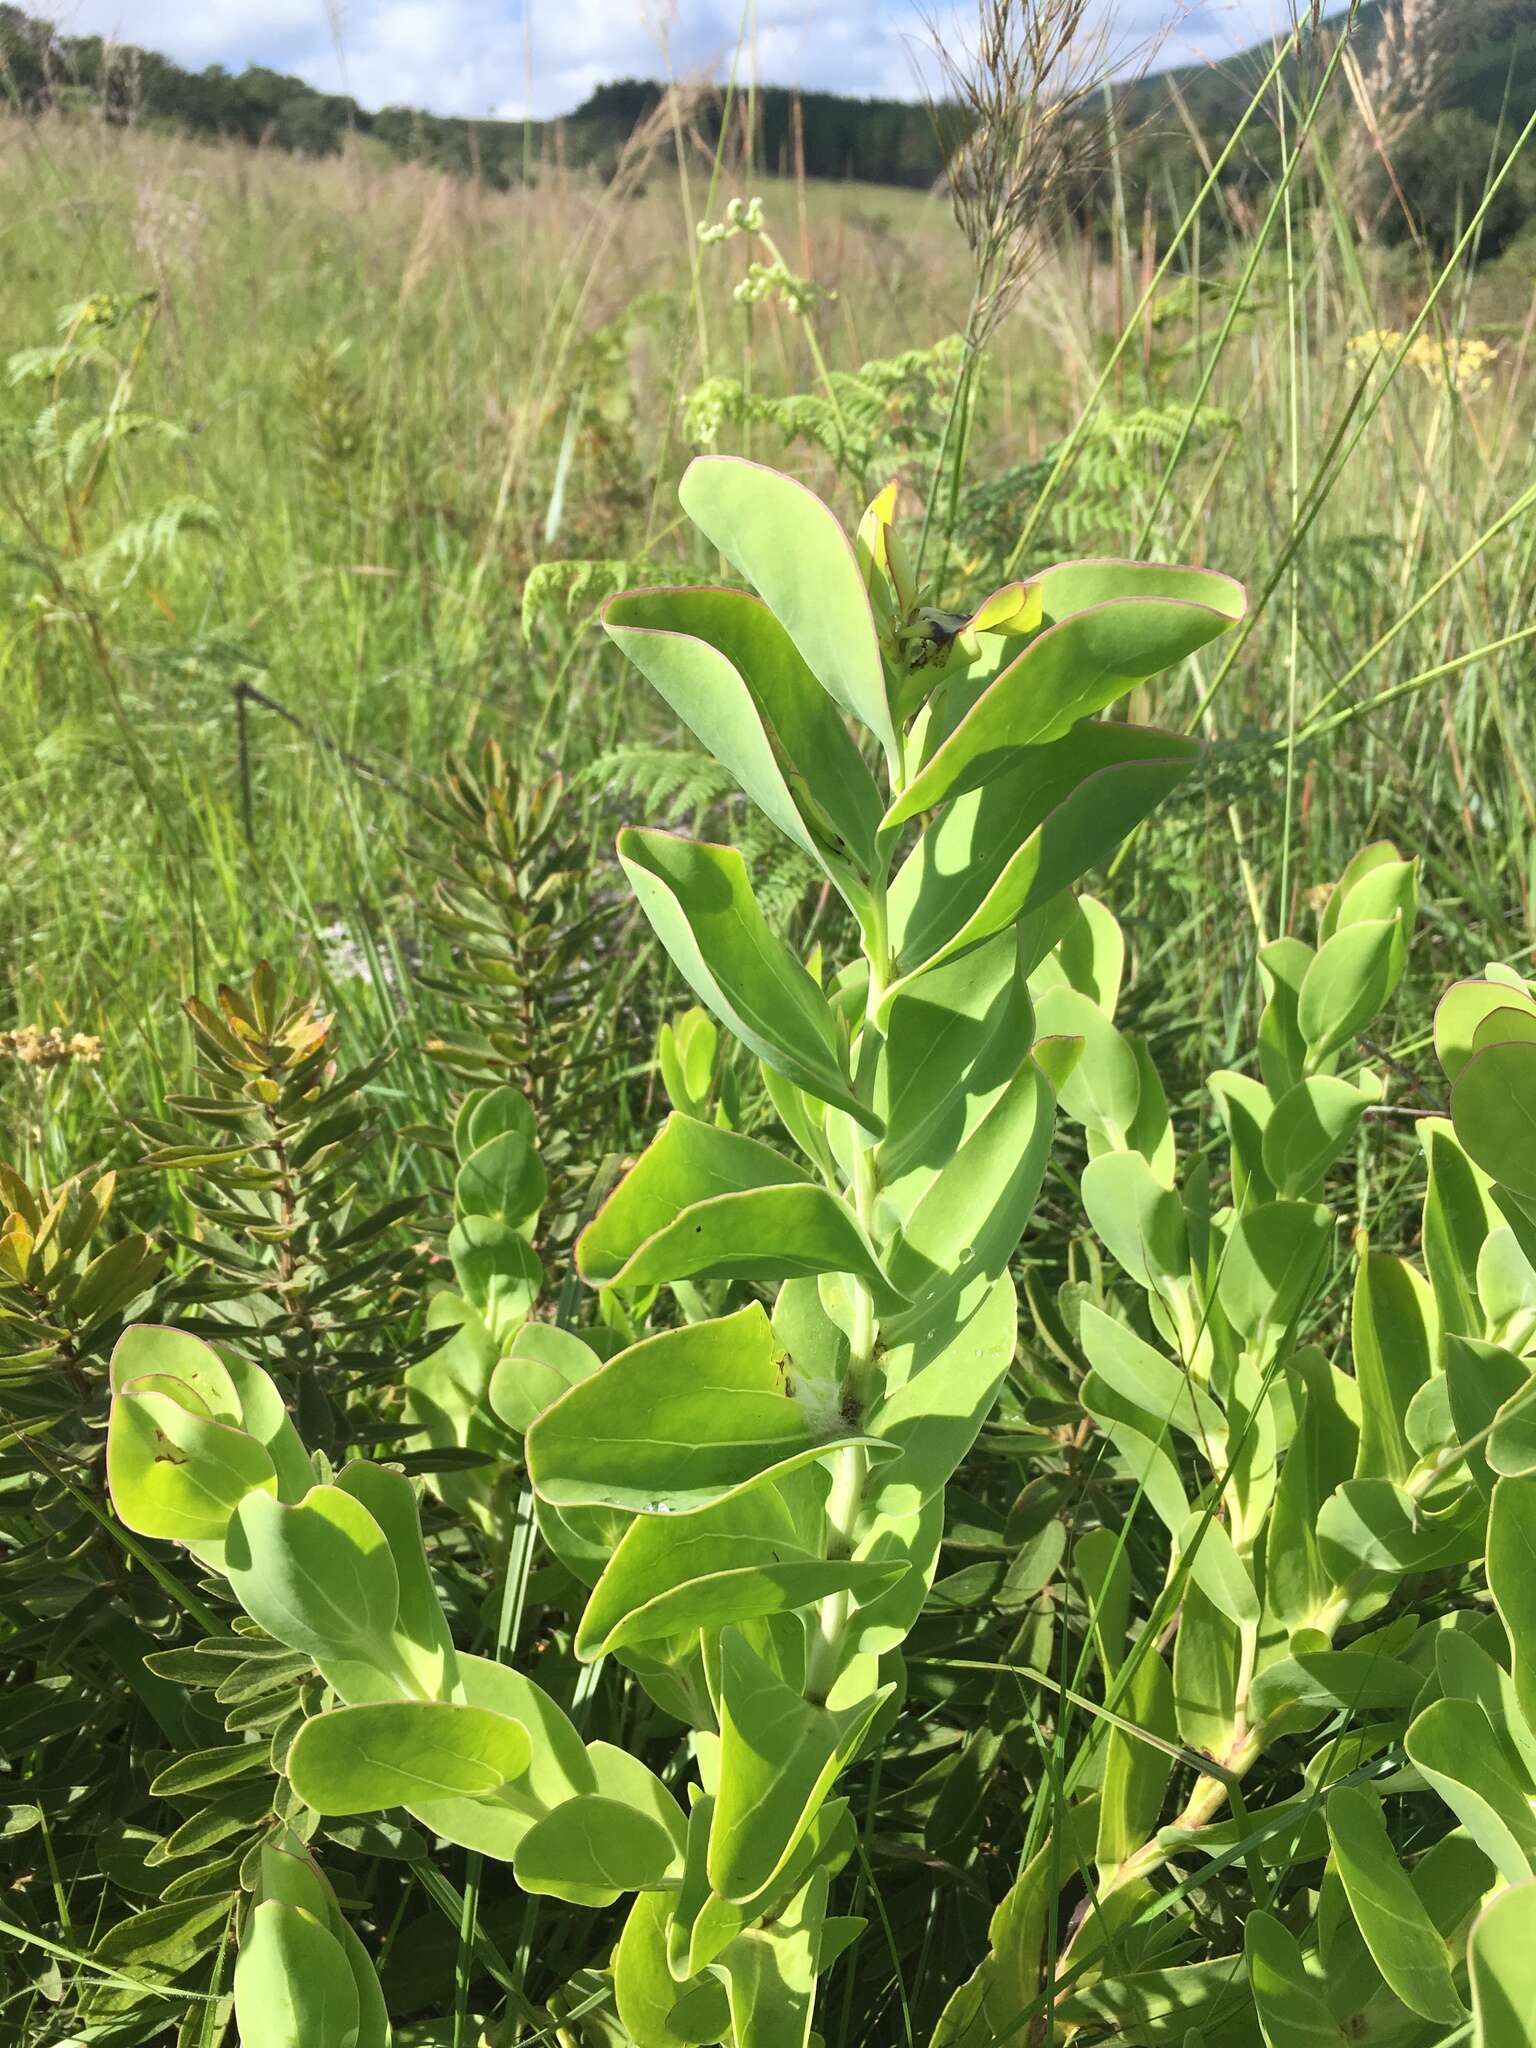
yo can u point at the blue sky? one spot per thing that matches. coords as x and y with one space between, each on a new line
510 57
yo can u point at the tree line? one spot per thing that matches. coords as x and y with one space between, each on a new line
1441 158
883 142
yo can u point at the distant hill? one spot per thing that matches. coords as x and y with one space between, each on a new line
827 135
1493 72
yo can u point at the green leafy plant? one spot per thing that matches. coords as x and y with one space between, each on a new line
528 955
1328 1539
302 1975
1438 1921
72 1615
117 1653
887 414
266 1155
754 1498
1271 1474
475 1395
76 444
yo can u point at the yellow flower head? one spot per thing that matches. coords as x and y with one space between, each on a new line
1465 363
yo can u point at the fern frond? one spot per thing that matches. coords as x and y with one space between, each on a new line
678 784
141 540
110 428
669 781
569 588
1114 454
886 411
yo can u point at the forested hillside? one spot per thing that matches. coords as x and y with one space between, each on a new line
1488 75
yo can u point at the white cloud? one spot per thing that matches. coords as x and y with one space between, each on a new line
473 56
227 32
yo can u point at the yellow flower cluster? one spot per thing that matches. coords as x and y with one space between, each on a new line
1465 363
34 1048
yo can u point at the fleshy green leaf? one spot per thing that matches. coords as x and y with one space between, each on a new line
1139 621
1394 1336
1140 1220
591 1850
1245 1107
1275 1258
542 1362
1291 2013
1458 1216
1402 1939
1348 984
1454 1747
687 1162
1493 1107
1141 1439
673 1575
967 1224
1512 1579
770 1972
1217 1570
952 1046
1309 1128
1373 1522
1501 1961
294 1986
1104 1090
487 1113
420 1623
735 677
1467 1672
1312 1684
1462 1010
503 1179
706 1204
794 553
1004 851
647 1994
404 1752
158 1350
1136 1773
1480 1378
173 1471
1091 957
1167 1393
676 1421
1321 1458
318 1576
497 1270
700 902
779 1755
1283 967
1206 1653
941 1391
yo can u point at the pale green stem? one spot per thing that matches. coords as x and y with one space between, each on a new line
843 1504
1210 1794
1200 1809
851 1465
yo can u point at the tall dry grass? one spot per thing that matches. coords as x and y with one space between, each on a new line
393 395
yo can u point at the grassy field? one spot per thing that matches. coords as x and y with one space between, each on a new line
285 449
372 374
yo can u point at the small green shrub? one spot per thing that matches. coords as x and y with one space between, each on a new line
754 1495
